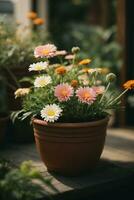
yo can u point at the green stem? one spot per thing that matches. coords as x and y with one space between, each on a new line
118 97
105 92
73 63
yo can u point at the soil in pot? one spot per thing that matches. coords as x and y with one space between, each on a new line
70 148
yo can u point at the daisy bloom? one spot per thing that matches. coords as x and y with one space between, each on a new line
93 70
42 81
86 70
51 113
85 62
74 83
63 92
129 85
60 70
31 15
86 95
84 78
48 50
70 57
38 21
38 66
99 89
61 53
21 92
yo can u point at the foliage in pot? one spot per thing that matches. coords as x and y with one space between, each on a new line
69 102
4 117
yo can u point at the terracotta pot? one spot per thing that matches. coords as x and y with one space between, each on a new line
70 148
3 128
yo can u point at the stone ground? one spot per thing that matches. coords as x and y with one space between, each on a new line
114 174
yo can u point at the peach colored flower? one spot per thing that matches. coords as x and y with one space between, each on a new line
129 85
85 62
74 83
99 89
31 15
60 70
86 95
48 50
63 92
38 21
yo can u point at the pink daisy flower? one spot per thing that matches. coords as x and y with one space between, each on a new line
99 89
48 50
86 95
63 92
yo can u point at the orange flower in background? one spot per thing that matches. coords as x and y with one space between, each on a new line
129 85
38 21
85 62
31 15
86 70
74 83
61 70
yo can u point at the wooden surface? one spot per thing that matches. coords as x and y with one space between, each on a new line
116 165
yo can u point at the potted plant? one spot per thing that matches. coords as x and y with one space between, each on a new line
4 117
69 104
17 55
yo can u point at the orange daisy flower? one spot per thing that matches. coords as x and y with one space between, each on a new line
74 83
38 21
85 62
129 85
31 15
61 70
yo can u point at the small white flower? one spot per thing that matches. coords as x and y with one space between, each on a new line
51 113
38 66
98 70
42 81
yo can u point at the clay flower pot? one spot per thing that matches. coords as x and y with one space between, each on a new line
70 148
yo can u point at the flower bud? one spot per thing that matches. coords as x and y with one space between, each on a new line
110 77
75 50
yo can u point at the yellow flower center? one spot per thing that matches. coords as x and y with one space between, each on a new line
64 92
50 113
42 82
86 95
38 67
45 52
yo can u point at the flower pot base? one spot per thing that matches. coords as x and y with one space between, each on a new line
70 148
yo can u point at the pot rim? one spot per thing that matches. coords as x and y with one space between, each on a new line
70 125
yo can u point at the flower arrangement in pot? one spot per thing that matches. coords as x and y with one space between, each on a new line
68 103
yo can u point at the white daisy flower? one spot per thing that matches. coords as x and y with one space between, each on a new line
51 113
42 81
98 70
38 66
